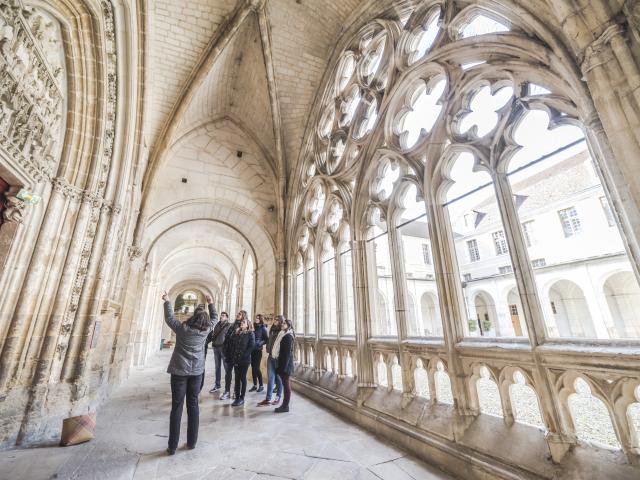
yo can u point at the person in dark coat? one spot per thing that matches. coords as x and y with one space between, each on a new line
226 356
282 351
217 337
273 379
262 337
186 368
242 343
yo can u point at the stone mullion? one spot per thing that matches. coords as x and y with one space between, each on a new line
31 286
305 297
341 303
396 254
452 309
318 360
558 442
364 363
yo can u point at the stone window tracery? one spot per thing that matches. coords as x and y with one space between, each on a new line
474 155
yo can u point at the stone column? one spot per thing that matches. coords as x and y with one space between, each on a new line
558 441
31 288
364 363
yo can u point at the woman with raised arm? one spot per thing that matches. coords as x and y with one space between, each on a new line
187 368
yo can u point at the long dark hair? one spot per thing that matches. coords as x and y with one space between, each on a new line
200 320
290 326
276 326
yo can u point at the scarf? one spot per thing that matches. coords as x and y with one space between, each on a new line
275 351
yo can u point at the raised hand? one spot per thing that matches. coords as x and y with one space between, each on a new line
165 296
208 298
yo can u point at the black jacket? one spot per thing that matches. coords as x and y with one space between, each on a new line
262 336
219 333
285 358
226 345
241 346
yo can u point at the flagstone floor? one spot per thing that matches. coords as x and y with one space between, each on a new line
247 443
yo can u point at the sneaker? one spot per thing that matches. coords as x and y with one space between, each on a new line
238 402
264 403
276 401
170 452
253 389
225 396
281 409
260 389
190 447
214 389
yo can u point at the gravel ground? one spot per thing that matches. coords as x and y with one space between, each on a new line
590 416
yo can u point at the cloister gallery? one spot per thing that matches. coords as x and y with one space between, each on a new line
442 195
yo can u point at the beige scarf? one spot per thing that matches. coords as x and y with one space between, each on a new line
275 351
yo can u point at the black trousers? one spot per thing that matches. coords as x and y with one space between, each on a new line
228 372
256 373
286 386
184 386
240 371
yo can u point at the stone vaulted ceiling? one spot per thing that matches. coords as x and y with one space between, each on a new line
300 35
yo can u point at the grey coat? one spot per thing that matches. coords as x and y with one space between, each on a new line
188 355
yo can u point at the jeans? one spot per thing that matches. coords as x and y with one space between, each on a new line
286 383
240 372
217 359
273 377
256 373
228 372
181 386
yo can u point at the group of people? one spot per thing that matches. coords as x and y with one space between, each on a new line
236 346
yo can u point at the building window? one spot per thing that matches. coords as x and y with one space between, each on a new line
570 221
505 270
538 262
529 234
606 208
466 277
426 254
474 253
500 242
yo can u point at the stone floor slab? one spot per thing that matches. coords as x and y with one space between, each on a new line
249 443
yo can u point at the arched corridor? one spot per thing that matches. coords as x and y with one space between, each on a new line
442 197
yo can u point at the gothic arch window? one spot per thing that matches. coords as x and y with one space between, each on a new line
466 170
298 295
579 241
310 298
328 285
478 232
380 277
348 291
